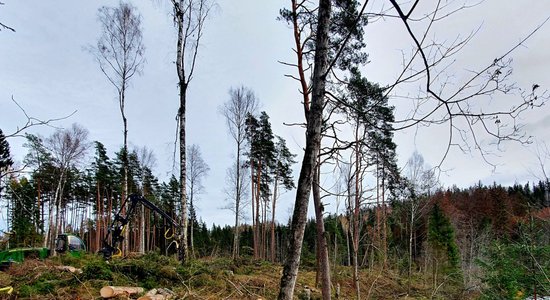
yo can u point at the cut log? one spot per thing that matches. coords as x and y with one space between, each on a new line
113 291
69 269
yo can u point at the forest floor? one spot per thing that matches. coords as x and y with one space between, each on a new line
219 278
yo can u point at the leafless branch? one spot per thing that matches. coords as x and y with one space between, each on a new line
33 122
2 25
493 79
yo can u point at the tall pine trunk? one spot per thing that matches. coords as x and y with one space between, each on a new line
253 195
323 267
273 256
257 213
313 144
355 216
384 228
98 218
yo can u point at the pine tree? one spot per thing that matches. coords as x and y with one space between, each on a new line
5 158
261 162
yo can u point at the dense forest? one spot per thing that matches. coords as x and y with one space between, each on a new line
377 222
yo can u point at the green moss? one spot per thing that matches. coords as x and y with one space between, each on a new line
97 269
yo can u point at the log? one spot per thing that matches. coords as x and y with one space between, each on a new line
113 291
69 269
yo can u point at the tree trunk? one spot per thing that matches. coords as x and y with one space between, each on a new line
411 231
57 199
184 251
264 229
356 215
356 274
98 218
313 144
377 235
237 204
38 202
257 213
253 195
125 245
322 248
384 224
273 256
191 228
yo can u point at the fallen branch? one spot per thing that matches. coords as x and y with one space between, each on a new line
237 289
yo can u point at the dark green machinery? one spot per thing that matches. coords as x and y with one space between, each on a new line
71 244
65 243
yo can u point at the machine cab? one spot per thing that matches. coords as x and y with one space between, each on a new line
69 243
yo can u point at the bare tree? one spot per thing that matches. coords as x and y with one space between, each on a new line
119 52
422 181
147 162
189 18
230 190
242 102
67 147
197 169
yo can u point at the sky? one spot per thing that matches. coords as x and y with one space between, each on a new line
45 67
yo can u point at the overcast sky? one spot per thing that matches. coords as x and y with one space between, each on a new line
44 67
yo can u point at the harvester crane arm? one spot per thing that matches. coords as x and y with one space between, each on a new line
118 226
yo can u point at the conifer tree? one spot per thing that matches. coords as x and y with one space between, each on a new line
5 158
23 213
261 162
441 237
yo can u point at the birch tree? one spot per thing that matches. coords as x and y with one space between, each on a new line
197 170
242 102
120 54
67 148
189 18
147 162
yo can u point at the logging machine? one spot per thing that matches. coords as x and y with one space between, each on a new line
115 233
65 243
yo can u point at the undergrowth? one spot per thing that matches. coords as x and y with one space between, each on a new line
219 278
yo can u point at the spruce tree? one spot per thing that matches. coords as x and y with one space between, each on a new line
441 237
